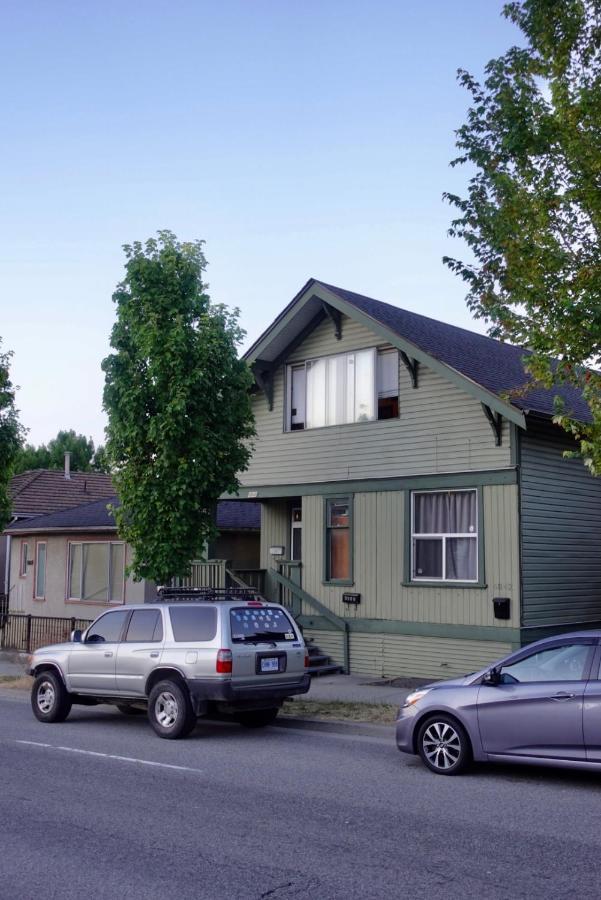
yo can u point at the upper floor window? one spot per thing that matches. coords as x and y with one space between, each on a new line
360 386
445 536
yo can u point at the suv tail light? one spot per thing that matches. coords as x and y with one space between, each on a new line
307 661
224 662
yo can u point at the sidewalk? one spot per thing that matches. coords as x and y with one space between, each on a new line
356 689
12 663
345 688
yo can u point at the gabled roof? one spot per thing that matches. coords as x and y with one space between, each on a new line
232 515
42 491
490 370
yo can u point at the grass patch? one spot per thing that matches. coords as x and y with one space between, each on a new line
16 682
341 711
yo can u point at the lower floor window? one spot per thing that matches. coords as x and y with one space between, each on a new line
444 535
96 572
338 540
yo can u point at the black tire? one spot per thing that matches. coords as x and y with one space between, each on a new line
257 718
170 711
50 700
128 710
443 745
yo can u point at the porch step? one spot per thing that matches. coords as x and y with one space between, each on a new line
320 662
331 669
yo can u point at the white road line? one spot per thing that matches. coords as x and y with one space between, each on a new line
131 759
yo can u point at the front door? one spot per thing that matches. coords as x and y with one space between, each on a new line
91 667
296 537
537 709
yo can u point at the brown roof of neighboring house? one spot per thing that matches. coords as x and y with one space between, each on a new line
43 491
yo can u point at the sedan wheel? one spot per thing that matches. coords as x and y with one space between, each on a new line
443 745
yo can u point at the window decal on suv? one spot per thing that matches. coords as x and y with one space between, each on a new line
260 624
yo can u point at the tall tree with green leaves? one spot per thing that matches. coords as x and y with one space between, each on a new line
11 435
177 398
532 214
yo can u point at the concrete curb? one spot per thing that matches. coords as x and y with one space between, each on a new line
333 726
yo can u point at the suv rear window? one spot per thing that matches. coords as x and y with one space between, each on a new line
193 623
255 624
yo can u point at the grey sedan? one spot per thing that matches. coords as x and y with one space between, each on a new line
540 705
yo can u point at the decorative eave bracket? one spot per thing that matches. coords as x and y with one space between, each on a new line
264 378
335 317
495 420
412 366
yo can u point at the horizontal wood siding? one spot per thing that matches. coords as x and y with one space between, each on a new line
379 548
561 532
329 642
390 655
440 429
275 531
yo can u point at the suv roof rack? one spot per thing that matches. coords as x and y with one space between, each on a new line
208 594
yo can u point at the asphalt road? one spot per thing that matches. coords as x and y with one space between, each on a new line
280 813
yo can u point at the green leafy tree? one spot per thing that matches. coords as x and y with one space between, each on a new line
11 435
100 462
177 399
532 214
52 455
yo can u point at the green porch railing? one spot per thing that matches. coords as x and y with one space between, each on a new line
303 597
208 573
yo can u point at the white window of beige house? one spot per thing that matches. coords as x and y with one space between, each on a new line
96 572
40 571
360 386
23 559
444 535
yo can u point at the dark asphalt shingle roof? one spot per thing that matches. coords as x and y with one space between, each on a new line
494 365
234 515
41 491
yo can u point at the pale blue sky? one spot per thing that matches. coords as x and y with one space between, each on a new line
297 139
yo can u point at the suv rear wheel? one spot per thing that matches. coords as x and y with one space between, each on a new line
257 718
50 699
169 710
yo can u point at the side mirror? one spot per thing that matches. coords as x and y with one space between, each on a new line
76 636
492 677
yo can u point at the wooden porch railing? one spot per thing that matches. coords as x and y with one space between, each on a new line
210 573
303 597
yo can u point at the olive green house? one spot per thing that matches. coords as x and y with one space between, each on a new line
417 512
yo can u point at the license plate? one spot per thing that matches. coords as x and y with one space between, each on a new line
272 664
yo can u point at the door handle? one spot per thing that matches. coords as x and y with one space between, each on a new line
561 695
154 655
108 652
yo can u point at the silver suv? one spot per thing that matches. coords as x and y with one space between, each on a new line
199 653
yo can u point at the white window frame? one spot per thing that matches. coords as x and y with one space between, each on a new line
302 364
23 559
444 536
39 544
109 601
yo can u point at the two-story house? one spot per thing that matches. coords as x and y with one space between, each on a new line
417 510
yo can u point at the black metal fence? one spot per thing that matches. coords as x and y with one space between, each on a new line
19 631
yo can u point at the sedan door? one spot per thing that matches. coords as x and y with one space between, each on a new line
592 712
91 667
537 708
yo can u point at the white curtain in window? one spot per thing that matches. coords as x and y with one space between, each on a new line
452 512
316 393
462 559
365 386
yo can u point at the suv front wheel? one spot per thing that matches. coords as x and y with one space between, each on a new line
169 710
50 699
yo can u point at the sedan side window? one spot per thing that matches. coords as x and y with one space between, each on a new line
108 628
564 663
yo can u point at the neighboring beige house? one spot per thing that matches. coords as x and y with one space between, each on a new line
417 512
72 563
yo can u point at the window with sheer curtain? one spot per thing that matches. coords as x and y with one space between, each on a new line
444 536
96 572
361 386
